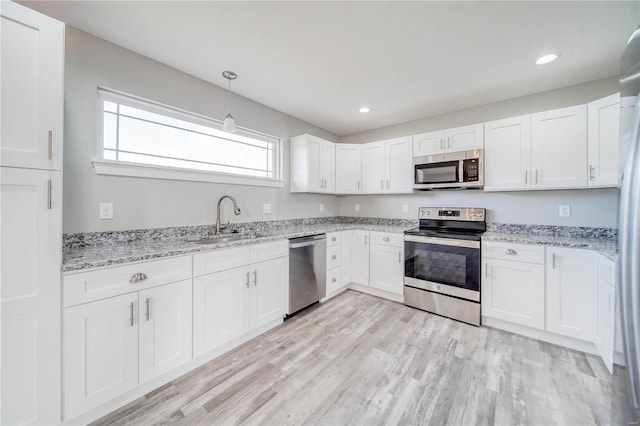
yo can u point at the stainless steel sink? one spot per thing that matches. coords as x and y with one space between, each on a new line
224 238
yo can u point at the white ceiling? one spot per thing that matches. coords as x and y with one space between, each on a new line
321 61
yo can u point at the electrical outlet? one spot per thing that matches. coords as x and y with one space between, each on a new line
356 207
405 208
105 211
321 207
266 208
564 210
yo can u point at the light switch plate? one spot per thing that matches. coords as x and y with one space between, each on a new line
105 211
564 210
321 207
405 208
356 207
266 208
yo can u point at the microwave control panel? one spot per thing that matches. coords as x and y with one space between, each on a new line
470 170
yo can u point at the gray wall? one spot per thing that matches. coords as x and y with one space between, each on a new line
588 207
146 203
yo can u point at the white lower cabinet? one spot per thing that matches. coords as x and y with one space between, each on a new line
345 252
360 257
605 271
386 270
267 295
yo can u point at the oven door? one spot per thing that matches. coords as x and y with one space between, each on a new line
443 265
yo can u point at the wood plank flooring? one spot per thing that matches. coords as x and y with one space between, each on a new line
358 359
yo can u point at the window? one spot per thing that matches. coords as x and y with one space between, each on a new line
138 131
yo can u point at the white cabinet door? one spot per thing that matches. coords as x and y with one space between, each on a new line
269 281
328 166
429 143
32 74
507 154
387 268
465 138
373 167
165 319
220 308
348 168
30 259
603 135
559 148
513 291
314 152
100 352
399 165
571 294
360 257
605 271
345 252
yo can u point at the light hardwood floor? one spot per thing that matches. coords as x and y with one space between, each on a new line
358 359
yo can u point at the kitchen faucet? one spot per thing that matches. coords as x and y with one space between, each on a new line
236 210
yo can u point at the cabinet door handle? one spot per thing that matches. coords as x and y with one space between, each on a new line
49 201
387 183
358 185
247 283
591 170
333 239
386 239
50 145
136 278
553 261
536 176
333 280
399 257
448 141
526 177
131 314
148 308
486 271
365 240
255 277
441 143
382 184
511 252
333 257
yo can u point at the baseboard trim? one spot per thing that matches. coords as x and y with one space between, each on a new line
376 292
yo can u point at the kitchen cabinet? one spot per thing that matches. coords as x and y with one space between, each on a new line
360 257
387 166
603 135
386 262
450 140
513 283
312 165
558 148
345 251
605 273
507 154
348 168
338 262
32 70
570 293
268 293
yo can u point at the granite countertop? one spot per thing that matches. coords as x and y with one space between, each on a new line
112 250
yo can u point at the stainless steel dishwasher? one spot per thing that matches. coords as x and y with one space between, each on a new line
307 271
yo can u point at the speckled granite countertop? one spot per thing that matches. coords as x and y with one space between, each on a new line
601 240
86 251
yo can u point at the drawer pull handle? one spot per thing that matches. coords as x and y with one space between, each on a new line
49 197
553 261
333 280
247 283
148 306
136 278
50 145
386 239
333 239
511 252
255 277
131 314
333 257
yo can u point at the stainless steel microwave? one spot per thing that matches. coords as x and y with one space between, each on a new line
461 170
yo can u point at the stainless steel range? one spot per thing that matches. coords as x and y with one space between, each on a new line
442 262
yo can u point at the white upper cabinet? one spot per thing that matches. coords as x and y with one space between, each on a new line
32 70
507 154
603 136
312 164
558 142
373 167
348 168
451 140
387 166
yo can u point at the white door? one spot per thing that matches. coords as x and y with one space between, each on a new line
269 281
603 135
465 138
100 352
328 164
32 74
345 252
513 291
30 259
165 319
571 304
314 153
606 304
399 165
360 257
373 167
507 154
348 168
220 308
429 143
559 148
387 268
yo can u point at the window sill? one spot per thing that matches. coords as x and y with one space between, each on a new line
122 168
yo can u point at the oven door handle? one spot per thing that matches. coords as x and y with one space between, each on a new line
442 241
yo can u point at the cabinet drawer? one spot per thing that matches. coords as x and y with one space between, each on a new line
509 251
268 251
221 260
89 286
333 239
387 239
333 257
333 280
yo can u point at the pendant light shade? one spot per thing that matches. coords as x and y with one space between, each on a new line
229 122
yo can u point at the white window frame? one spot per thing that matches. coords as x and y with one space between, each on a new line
131 169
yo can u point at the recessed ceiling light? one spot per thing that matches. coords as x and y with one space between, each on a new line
365 110
547 58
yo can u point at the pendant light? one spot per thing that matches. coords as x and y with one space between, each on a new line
229 121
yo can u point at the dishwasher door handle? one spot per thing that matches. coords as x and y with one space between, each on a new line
308 243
